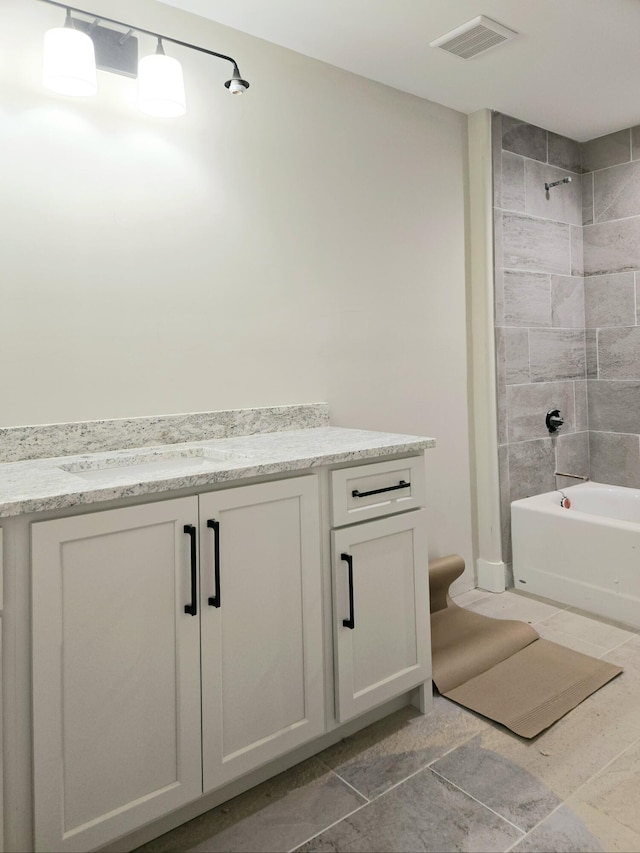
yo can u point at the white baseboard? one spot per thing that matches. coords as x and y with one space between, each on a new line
491 576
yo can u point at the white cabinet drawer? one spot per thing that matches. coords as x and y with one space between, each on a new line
371 491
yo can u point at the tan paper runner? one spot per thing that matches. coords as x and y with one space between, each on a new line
500 667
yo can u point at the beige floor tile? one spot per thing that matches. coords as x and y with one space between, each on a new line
562 832
579 745
275 816
591 630
498 783
588 758
465 598
425 813
614 836
548 632
389 751
615 791
510 605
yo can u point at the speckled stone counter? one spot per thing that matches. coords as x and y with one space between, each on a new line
55 482
45 440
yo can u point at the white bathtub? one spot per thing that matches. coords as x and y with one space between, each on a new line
587 556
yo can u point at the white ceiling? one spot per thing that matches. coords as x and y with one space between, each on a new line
574 68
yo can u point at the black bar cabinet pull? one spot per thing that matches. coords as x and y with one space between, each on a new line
350 622
192 609
214 600
401 485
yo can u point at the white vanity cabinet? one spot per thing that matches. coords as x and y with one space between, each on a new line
116 680
380 585
127 722
180 644
261 612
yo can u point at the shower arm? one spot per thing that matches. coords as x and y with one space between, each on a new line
548 185
573 476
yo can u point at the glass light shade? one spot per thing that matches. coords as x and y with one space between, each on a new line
69 62
161 86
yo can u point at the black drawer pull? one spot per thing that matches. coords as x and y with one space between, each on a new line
214 601
192 609
401 485
350 622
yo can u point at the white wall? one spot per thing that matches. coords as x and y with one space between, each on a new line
303 242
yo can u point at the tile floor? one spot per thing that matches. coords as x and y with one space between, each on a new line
452 780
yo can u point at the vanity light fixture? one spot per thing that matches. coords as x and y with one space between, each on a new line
69 61
161 85
73 52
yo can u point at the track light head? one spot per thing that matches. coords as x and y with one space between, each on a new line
236 85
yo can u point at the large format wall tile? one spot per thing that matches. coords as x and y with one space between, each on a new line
577 250
616 192
572 456
562 203
522 138
565 337
619 353
612 246
567 301
516 355
582 413
556 354
591 352
587 199
502 414
531 468
498 267
615 459
513 197
564 152
527 407
527 298
536 244
605 151
610 300
635 142
614 406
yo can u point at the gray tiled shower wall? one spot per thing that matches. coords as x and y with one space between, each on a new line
567 269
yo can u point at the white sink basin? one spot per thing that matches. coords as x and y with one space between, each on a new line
138 463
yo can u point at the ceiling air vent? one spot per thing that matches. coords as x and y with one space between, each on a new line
474 37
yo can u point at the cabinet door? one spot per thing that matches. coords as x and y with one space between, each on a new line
262 673
116 699
381 611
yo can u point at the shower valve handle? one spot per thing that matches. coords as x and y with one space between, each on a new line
554 420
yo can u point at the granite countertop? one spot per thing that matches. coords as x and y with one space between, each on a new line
36 485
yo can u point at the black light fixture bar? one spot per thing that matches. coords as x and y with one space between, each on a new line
130 28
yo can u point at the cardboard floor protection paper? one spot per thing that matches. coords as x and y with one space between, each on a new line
501 668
